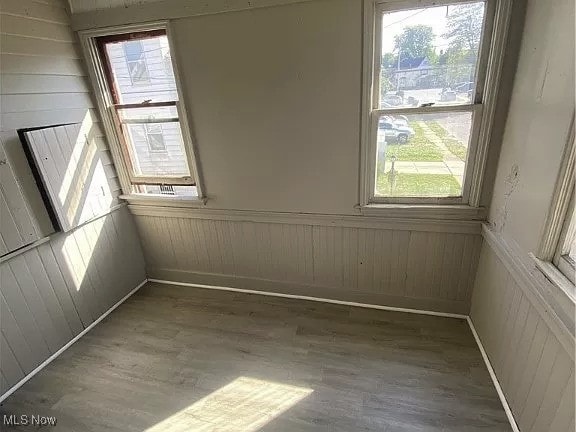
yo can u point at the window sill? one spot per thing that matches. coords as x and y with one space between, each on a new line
164 201
423 211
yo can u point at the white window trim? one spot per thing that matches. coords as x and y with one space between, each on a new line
102 91
548 258
564 263
495 32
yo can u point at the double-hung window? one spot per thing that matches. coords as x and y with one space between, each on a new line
565 255
427 74
141 99
557 251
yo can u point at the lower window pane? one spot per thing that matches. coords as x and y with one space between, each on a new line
157 149
422 155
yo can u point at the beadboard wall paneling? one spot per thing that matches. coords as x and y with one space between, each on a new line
19 227
88 5
101 13
535 370
403 268
51 293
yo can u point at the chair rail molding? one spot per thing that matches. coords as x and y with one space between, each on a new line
554 305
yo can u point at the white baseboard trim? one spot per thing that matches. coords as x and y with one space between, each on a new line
69 344
309 298
494 378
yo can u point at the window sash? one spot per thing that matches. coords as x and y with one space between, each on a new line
496 17
387 7
475 109
138 179
115 107
561 259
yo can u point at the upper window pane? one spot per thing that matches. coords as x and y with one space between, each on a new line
134 50
429 55
141 70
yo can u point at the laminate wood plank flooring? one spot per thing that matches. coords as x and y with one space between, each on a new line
187 359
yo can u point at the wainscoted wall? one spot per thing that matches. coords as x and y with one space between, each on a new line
61 284
19 226
52 292
525 325
531 351
348 258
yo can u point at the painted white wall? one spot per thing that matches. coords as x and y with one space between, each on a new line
541 109
274 99
513 309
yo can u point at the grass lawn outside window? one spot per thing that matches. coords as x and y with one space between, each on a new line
418 149
409 185
455 146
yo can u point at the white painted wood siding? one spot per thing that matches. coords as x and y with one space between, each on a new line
72 171
48 294
428 270
51 293
18 227
43 82
88 5
535 370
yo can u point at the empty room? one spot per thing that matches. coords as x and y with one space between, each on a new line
287 215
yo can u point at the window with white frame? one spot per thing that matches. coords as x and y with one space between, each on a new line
557 251
141 98
427 69
565 255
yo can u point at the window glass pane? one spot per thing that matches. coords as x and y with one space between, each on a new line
133 50
572 250
429 55
140 72
422 155
155 137
570 242
160 153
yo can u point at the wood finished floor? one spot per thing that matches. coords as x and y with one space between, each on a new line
185 359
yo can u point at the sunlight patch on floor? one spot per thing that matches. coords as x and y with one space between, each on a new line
244 405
